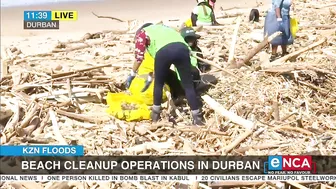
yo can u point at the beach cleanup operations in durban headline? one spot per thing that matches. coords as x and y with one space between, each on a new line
167 163
68 163
139 165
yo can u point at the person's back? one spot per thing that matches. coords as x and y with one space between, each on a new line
155 33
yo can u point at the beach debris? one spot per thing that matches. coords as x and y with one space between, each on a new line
257 107
109 17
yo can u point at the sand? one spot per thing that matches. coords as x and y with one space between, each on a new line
12 32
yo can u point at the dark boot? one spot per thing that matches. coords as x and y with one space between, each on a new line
284 53
197 117
273 57
155 113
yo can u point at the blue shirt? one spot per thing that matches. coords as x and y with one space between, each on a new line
284 6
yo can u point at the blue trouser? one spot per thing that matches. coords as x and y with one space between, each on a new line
177 54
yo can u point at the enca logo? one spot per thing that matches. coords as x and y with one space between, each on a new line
290 163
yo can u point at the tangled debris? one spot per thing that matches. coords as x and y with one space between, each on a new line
283 107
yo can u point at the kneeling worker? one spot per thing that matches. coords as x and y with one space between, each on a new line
167 47
174 79
203 14
191 38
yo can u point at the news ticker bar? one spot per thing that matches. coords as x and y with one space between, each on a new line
42 150
50 15
171 178
172 165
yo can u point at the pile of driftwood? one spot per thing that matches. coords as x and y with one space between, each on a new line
257 108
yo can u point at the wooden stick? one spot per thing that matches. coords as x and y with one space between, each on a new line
31 185
82 46
255 51
321 26
158 146
296 53
216 66
15 117
73 100
323 186
286 69
63 92
234 40
110 17
325 6
230 115
78 71
298 129
4 68
230 15
43 124
172 105
261 147
33 124
321 90
234 183
195 185
5 113
81 117
329 54
275 107
321 70
236 142
296 185
29 116
200 184
55 127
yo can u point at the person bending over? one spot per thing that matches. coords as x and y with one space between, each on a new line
167 47
203 14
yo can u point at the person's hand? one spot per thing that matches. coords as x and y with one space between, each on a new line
204 67
130 79
280 25
147 82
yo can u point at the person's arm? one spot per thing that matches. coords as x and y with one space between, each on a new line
141 43
199 52
194 16
213 18
202 66
277 4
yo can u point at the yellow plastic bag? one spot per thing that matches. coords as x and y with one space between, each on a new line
188 23
116 101
138 83
294 26
147 64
